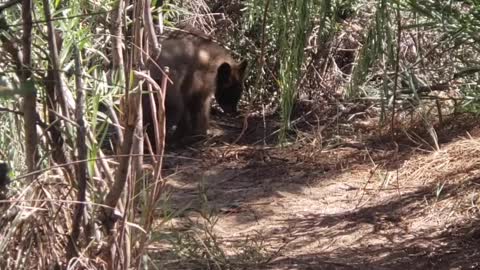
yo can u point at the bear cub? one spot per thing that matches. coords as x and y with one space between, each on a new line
199 68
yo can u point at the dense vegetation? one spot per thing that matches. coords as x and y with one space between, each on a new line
70 73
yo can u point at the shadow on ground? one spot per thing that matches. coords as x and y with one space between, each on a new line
390 242
318 209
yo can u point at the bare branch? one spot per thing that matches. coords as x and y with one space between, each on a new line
53 46
152 38
116 32
29 100
81 168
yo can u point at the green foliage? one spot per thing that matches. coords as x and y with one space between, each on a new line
291 48
288 26
438 41
403 45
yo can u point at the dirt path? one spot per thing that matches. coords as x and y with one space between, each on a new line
395 207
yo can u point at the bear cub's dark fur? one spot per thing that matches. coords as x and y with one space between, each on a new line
199 68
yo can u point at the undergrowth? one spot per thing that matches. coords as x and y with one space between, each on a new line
339 69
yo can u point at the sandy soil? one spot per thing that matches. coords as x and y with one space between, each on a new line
377 205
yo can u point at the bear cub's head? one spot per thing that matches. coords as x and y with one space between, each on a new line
229 82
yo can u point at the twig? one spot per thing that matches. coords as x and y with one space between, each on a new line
428 88
11 111
53 47
397 68
81 168
29 101
244 128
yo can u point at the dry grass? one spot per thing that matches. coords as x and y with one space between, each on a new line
35 224
334 203
453 163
